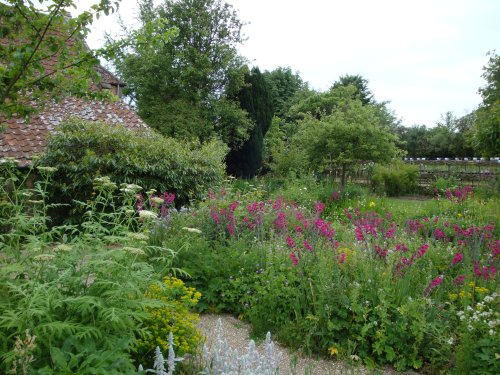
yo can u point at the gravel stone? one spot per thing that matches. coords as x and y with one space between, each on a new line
237 334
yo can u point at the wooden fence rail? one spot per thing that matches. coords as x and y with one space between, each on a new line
471 171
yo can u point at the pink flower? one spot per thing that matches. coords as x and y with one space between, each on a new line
168 198
390 233
484 272
308 246
335 196
494 247
280 221
401 247
459 280
318 208
278 202
215 216
421 251
358 233
439 234
406 261
233 206
252 207
294 259
434 284
448 194
290 242
381 252
457 258
342 258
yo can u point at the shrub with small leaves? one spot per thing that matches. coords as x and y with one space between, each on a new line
171 316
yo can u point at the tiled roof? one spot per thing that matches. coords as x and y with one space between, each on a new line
24 138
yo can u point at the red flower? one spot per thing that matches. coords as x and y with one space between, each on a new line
308 246
457 258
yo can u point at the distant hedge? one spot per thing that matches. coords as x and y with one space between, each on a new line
82 151
395 179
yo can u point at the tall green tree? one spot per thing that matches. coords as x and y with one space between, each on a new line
184 86
416 141
256 98
351 133
284 86
487 132
42 51
362 92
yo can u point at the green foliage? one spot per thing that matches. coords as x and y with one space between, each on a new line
476 351
451 137
284 86
173 317
486 137
281 156
362 91
395 179
319 104
71 299
255 98
370 285
351 133
82 151
35 36
183 78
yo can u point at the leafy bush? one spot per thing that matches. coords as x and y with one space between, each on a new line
83 150
71 298
173 316
395 179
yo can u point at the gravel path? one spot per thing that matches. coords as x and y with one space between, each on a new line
237 334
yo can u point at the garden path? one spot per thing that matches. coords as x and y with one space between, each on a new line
237 334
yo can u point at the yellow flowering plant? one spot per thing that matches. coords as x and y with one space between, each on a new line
174 316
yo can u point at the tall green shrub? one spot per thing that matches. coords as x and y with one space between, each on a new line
82 151
256 99
395 179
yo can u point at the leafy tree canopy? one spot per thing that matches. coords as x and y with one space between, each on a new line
284 85
362 91
184 83
487 132
349 133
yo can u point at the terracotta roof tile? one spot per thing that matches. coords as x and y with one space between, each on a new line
22 139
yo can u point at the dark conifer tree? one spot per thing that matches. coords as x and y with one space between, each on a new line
255 97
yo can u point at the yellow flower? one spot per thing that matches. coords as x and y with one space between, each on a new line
459 215
480 289
464 294
453 296
371 204
333 351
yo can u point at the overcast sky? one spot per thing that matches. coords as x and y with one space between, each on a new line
424 56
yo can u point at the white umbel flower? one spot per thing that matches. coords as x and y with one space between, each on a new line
147 215
192 230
